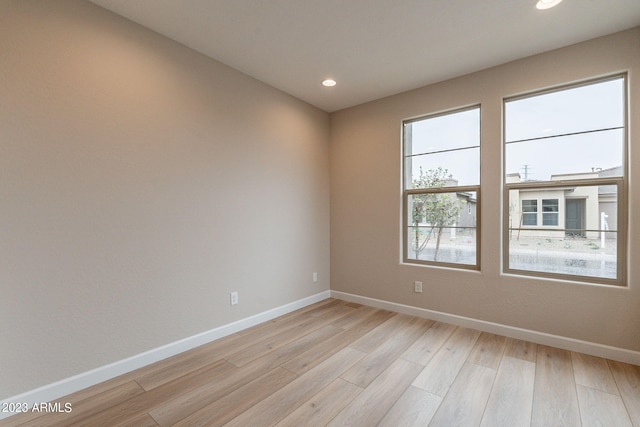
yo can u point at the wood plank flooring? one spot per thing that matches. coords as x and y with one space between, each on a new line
336 364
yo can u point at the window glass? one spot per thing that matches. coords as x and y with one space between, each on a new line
441 188
591 107
550 211
555 228
585 245
529 212
442 227
462 166
574 154
443 132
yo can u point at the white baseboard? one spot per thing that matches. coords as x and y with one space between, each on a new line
81 381
594 349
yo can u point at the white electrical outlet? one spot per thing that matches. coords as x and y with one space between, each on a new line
417 286
315 276
234 298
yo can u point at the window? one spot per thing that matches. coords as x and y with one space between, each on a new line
549 211
529 212
441 196
564 185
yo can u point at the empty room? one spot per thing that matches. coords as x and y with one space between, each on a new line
363 213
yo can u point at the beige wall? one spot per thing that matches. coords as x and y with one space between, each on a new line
366 212
140 183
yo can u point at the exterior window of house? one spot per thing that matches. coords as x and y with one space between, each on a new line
441 196
565 180
549 211
529 212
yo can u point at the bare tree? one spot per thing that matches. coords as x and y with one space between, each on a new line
436 210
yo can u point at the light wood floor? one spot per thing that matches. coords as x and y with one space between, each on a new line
335 363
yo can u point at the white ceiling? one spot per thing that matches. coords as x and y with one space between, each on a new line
373 48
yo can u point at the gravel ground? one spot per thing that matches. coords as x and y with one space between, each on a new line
568 244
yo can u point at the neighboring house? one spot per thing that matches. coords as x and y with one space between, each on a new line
467 202
564 211
465 222
467 216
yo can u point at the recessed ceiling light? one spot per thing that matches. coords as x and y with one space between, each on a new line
328 82
547 4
